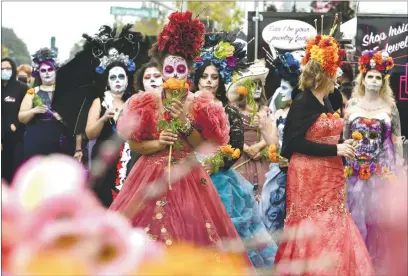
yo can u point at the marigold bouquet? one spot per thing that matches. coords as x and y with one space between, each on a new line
217 161
179 90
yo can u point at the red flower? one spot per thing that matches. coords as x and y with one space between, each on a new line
329 115
167 116
145 136
380 67
317 39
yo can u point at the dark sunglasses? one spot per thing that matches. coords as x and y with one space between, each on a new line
49 70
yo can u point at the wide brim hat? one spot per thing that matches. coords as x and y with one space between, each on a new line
255 72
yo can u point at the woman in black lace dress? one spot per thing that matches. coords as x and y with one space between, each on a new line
235 191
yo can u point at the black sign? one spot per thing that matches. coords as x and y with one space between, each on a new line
387 32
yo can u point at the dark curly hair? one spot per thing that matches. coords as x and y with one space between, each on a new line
138 76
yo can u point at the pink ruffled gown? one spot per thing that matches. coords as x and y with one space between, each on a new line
192 210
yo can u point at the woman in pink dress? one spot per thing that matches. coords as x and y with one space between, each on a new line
315 182
190 209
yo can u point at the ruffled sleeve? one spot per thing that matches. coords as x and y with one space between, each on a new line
210 119
138 120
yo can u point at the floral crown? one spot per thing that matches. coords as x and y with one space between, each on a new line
182 35
287 67
43 55
224 52
325 50
109 46
114 56
376 60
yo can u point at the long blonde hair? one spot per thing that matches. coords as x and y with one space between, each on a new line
385 92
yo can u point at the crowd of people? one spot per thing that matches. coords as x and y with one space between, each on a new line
184 144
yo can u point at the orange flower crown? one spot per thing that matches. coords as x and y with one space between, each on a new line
326 51
376 60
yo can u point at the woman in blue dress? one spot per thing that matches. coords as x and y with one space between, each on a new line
273 198
212 70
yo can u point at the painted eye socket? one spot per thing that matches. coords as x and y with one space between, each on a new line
372 135
181 69
169 69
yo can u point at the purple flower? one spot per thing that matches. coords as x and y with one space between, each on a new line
231 61
372 167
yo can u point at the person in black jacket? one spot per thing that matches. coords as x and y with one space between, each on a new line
12 132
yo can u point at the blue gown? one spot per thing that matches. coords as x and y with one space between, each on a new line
273 197
237 196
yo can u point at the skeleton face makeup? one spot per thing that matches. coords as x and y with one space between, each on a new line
117 80
47 74
373 81
209 80
175 67
258 91
152 79
284 95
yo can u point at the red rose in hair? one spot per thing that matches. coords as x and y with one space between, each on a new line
380 67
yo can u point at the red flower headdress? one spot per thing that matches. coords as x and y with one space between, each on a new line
376 60
182 35
326 51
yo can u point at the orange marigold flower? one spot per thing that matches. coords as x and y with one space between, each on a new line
329 115
336 115
236 154
272 148
173 83
364 172
227 149
357 135
323 115
273 157
31 91
242 90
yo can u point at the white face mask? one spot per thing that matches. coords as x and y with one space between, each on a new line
152 79
210 80
373 81
285 89
258 91
175 67
118 80
47 74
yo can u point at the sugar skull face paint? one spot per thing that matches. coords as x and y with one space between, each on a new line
47 74
209 80
373 81
152 79
118 80
175 67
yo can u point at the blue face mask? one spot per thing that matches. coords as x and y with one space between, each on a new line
6 74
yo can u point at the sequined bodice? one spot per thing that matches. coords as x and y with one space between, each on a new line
325 130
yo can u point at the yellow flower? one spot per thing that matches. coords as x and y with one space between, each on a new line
184 259
323 115
224 50
272 148
236 154
227 149
336 115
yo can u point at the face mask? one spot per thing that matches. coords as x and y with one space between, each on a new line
6 74
373 82
209 81
152 80
22 79
117 80
47 74
175 67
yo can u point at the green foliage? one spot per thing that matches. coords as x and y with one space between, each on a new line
251 88
226 14
16 48
149 26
